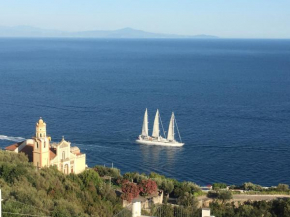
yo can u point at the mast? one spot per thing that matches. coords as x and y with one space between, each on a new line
156 130
162 127
178 130
170 134
145 124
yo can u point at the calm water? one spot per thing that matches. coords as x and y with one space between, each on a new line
231 99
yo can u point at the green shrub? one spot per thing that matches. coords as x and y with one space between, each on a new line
248 186
283 187
107 171
217 186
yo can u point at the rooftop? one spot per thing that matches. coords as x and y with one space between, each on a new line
13 146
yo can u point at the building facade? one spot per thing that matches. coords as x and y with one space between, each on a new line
43 154
68 159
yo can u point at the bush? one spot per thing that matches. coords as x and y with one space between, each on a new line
10 172
273 208
49 192
147 187
218 186
187 200
130 191
107 171
283 187
212 194
167 186
248 186
135 177
89 177
153 175
224 195
186 187
163 210
220 195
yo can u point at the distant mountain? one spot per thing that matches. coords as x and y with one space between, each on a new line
28 31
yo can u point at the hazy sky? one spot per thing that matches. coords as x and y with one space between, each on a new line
224 18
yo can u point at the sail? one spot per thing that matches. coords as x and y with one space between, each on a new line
155 132
170 134
145 124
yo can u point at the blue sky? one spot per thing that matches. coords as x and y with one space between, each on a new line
224 18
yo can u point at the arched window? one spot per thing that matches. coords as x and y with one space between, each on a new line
44 144
40 135
63 155
36 144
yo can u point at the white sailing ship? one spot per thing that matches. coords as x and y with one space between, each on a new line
156 138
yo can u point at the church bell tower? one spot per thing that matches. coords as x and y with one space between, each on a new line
41 146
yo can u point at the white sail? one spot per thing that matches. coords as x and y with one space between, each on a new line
145 124
170 134
155 132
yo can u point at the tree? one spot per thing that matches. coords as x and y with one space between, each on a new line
224 195
167 186
147 187
9 172
130 176
186 187
107 171
187 200
153 175
218 186
212 194
232 187
130 191
90 177
164 210
283 187
248 186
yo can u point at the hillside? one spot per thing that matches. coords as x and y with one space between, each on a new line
49 192
29 31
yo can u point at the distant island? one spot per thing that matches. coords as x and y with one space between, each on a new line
29 31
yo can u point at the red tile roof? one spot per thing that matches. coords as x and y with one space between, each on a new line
52 153
28 150
13 147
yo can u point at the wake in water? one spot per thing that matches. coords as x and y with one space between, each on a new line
11 138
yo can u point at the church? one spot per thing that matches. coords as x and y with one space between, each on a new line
43 153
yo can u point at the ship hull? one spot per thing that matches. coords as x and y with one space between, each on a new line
160 143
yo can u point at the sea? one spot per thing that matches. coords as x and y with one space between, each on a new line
231 99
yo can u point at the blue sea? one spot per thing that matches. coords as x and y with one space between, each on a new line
231 99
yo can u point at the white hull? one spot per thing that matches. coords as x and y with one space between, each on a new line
156 139
161 143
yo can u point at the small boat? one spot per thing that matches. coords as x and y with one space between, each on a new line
156 138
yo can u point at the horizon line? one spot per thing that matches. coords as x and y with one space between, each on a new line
173 35
144 38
